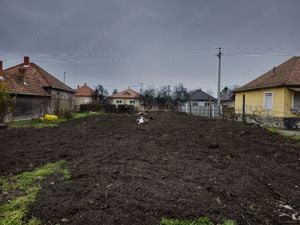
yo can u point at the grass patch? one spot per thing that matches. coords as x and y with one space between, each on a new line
275 130
86 114
36 123
200 221
39 123
24 188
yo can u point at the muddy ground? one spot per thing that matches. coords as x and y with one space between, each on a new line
176 166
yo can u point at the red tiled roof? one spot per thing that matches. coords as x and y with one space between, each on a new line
31 80
286 74
84 91
128 94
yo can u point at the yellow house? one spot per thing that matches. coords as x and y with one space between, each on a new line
127 97
274 97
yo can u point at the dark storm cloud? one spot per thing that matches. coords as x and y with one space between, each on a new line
124 42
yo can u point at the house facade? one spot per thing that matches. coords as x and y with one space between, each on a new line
201 104
127 97
274 97
37 92
200 98
84 95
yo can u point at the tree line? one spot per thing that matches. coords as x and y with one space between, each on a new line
164 95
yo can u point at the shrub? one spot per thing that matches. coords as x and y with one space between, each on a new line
95 107
110 108
7 103
67 114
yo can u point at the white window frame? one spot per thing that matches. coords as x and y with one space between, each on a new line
268 92
293 100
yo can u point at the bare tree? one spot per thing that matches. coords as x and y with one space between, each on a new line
210 92
101 92
163 96
180 94
115 91
148 96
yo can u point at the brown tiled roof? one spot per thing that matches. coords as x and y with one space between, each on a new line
36 80
128 94
286 74
52 81
85 91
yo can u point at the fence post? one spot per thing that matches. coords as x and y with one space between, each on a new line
213 111
244 107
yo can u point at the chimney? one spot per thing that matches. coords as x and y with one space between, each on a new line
1 68
78 86
84 84
274 70
26 61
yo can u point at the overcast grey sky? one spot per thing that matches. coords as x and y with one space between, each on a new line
120 43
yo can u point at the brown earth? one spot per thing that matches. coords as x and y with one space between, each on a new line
176 166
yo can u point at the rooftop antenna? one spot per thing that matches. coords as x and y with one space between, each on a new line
65 77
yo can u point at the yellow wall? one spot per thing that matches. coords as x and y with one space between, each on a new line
254 101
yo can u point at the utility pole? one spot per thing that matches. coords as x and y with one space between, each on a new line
219 76
65 77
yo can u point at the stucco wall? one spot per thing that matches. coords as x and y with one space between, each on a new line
79 100
62 100
254 102
126 102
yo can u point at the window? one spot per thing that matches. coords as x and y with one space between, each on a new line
119 101
206 103
296 101
195 103
132 102
268 101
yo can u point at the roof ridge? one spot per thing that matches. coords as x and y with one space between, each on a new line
15 66
44 73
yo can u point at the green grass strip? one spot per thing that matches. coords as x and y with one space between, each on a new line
25 187
200 221
39 123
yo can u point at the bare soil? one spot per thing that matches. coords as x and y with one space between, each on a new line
177 166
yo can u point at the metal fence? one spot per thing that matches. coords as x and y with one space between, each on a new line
211 111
